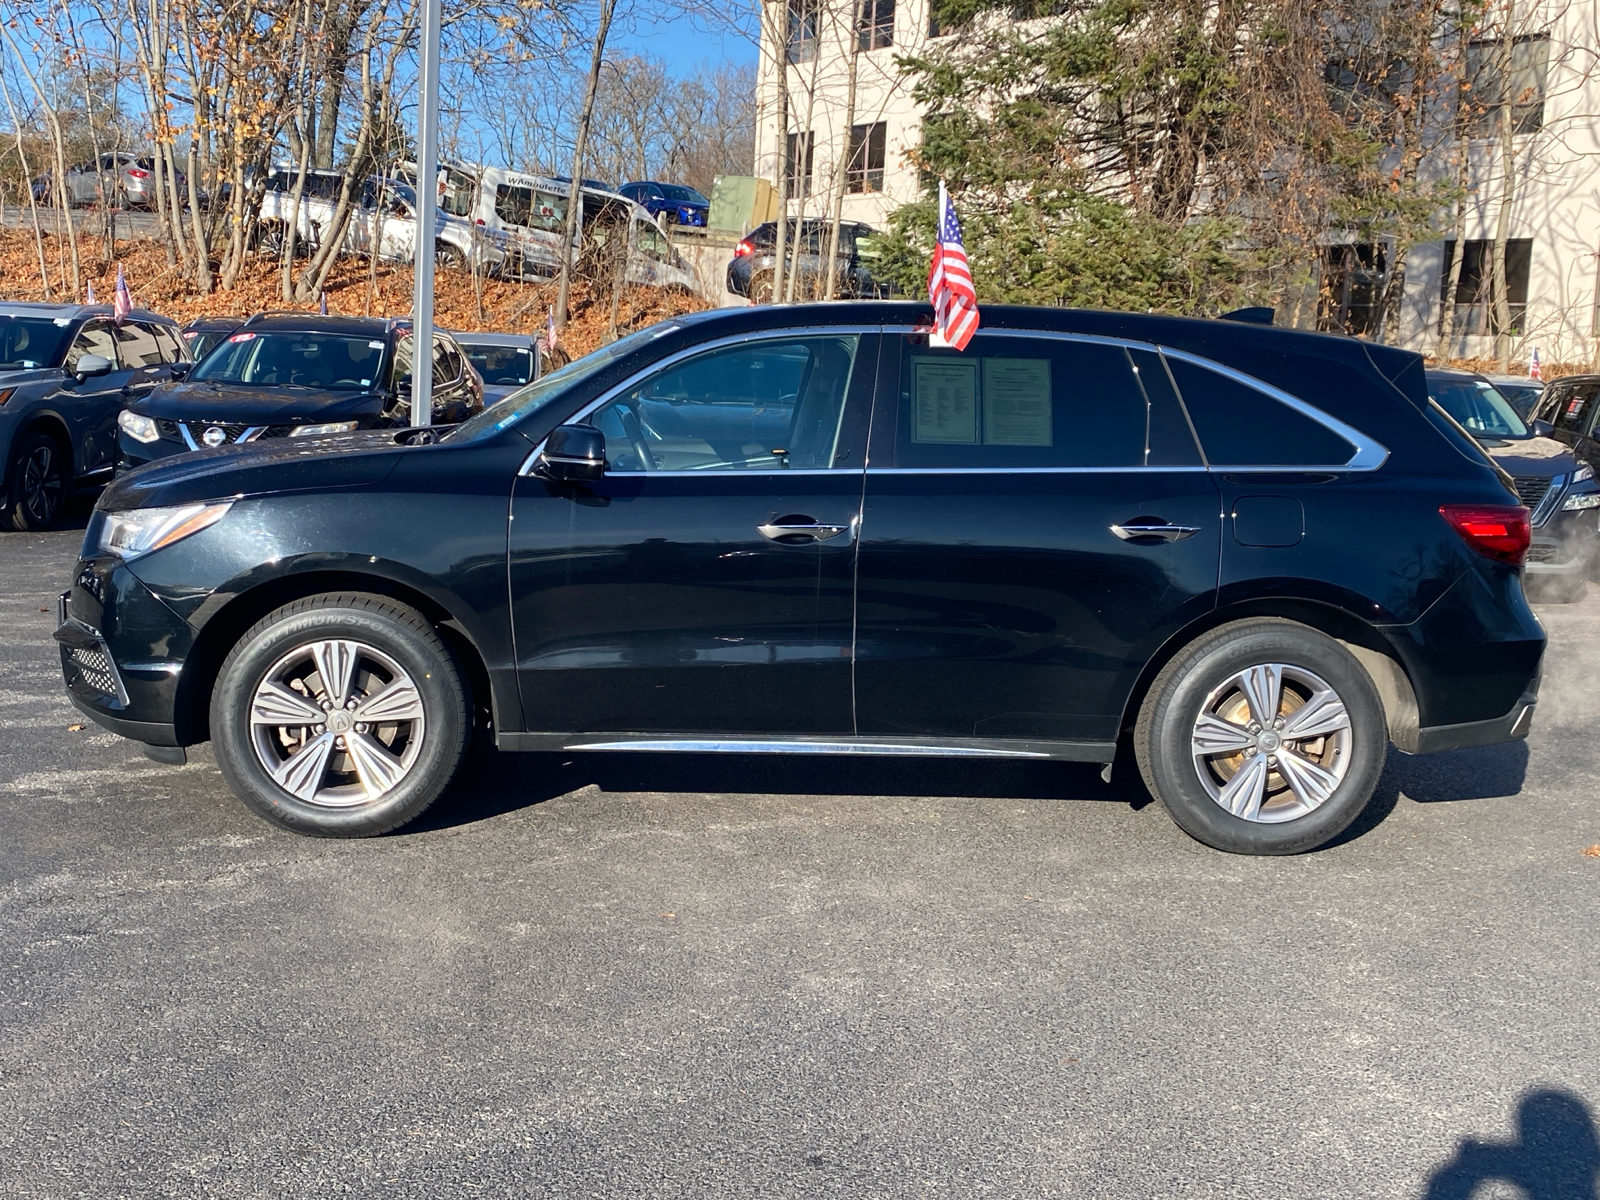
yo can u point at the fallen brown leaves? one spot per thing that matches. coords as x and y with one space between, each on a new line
1592 851
79 728
354 289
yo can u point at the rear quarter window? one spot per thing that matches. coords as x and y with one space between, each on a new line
1239 425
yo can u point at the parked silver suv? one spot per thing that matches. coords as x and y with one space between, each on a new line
66 370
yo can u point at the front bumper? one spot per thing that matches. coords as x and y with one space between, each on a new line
134 453
1565 546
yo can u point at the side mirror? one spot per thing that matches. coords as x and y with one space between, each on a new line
572 454
90 365
1542 428
179 369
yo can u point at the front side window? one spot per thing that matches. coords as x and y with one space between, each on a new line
1571 408
868 146
27 342
1478 407
1009 402
530 208
284 358
1242 426
760 406
96 337
500 365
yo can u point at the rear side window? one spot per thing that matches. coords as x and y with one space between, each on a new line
1008 402
1572 408
167 339
137 346
1242 426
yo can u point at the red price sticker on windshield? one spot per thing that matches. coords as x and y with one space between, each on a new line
241 337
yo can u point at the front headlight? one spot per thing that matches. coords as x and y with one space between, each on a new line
141 530
319 430
1581 500
140 429
1584 471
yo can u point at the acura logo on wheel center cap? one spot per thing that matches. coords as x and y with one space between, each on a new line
214 436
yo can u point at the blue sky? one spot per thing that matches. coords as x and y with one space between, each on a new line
684 40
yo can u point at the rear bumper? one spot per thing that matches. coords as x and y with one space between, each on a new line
1509 728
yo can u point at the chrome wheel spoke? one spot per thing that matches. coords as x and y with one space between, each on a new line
379 770
336 663
399 701
1311 783
1213 735
1242 797
275 704
1321 715
301 773
1263 691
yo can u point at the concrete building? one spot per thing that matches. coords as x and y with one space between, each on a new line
1554 256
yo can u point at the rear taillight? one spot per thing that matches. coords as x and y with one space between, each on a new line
1500 531
743 250
136 173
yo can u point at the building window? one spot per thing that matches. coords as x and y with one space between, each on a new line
1475 292
875 25
797 163
1352 288
867 144
804 20
1488 88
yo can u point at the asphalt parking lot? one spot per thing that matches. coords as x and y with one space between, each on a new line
640 976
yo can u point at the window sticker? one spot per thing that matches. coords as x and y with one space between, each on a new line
190 333
1016 402
242 337
375 345
944 401
63 321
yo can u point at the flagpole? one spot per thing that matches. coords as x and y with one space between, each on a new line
427 212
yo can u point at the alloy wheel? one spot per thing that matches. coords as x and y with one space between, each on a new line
42 483
1272 743
337 723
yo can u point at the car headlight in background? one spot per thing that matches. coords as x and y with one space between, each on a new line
141 530
1581 500
318 430
1584 471
139 428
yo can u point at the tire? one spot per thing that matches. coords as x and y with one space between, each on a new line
1269 810
449 257
389 771
39 481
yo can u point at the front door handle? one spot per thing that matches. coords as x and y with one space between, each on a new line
797 530
1152 527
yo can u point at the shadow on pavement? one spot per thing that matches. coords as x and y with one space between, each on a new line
1477 774
493 783
1555 1155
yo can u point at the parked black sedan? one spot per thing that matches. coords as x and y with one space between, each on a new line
297 375
1558 488
1251 557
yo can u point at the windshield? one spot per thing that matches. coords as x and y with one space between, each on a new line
281 358
551 387
684 195
1478 408
201 344
27 342
500 365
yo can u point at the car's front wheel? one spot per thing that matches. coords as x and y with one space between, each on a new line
38 483
340 715
1263 736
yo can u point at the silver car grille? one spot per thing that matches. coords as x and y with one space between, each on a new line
194 432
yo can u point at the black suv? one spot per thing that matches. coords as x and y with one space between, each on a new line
1252 557
297 375
752 270
66 370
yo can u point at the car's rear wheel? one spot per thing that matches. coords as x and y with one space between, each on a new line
449 257
38 483
1262 737
340 715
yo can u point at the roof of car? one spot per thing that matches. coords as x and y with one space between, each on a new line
1573 379
32 308
310 322
1518 379
1453 373
471 338
213 324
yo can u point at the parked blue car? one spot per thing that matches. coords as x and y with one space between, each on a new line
674 203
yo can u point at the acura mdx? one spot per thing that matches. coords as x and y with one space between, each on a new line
1251 558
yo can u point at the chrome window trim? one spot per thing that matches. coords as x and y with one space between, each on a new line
1140 467
1369 455
660 364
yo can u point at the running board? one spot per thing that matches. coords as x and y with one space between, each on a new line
1099 752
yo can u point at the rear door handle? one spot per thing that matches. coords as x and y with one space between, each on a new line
1145 527
797 530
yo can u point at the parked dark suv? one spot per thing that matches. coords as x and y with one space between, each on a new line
752 270
1252 557
66 370
1558 488
297 375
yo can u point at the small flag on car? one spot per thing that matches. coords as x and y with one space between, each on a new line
1533 365
122 302
90 298
322 304
955 303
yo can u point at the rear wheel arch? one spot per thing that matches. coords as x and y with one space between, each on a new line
1365 644
202 665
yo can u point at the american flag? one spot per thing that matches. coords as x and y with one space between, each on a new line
121 301
955 304
1533 366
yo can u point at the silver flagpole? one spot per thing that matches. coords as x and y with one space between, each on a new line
427 212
